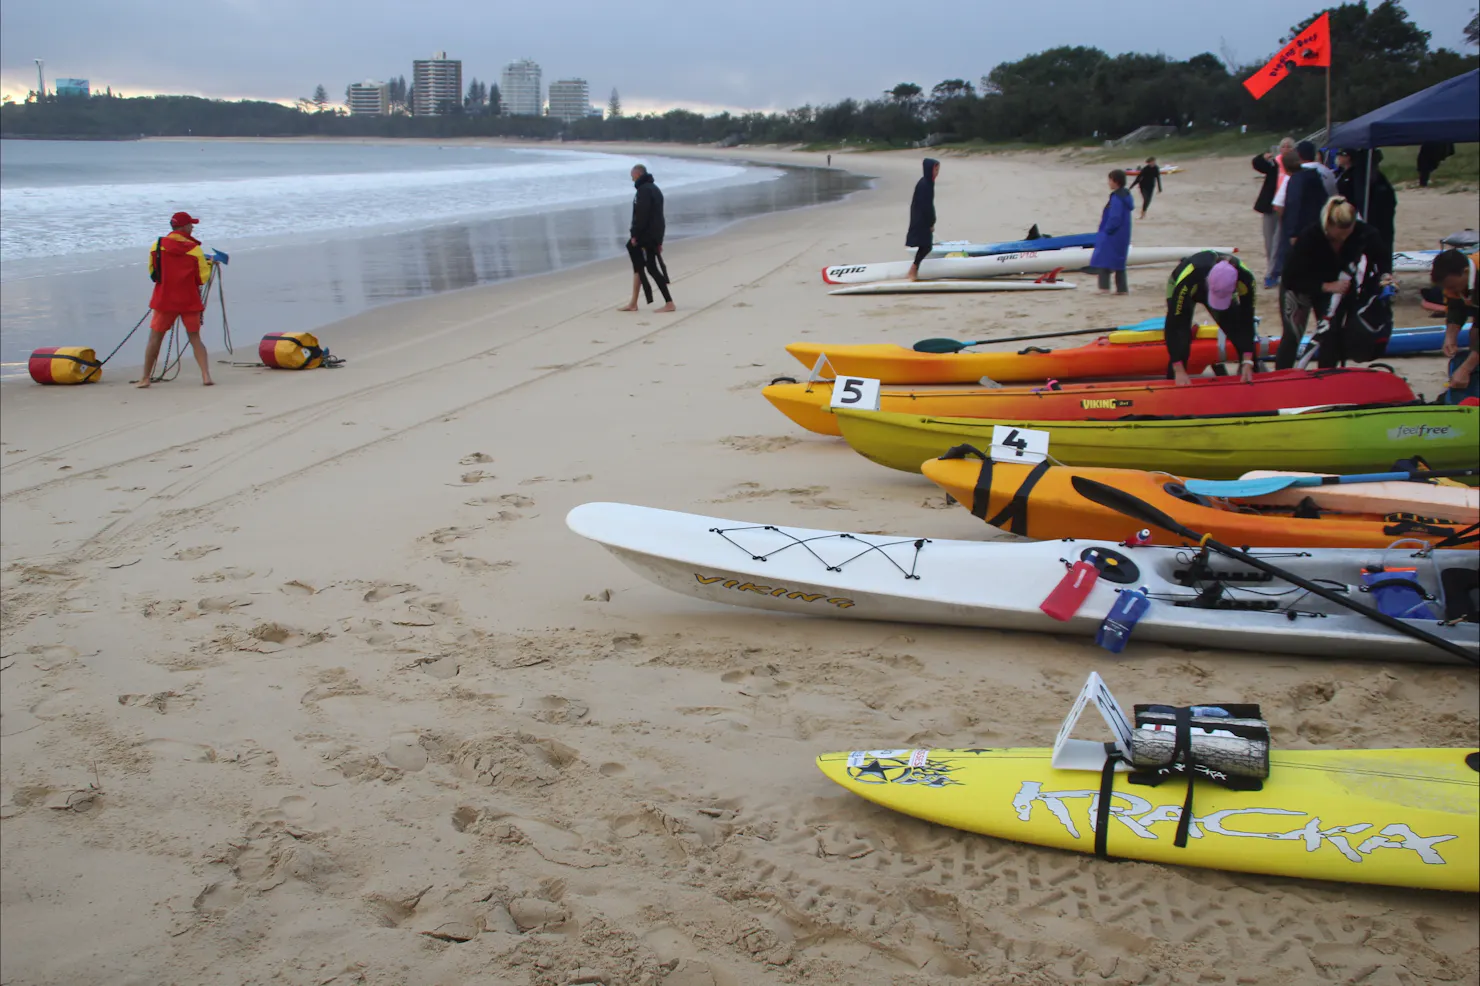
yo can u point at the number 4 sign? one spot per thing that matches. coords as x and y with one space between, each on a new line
1011 444
856 392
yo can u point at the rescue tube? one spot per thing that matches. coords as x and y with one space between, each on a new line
65 364
291 351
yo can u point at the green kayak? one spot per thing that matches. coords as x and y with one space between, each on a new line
1360 439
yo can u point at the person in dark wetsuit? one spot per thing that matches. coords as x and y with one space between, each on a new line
1148 182
1458 277
1225 287
1321 278
921 234
645 241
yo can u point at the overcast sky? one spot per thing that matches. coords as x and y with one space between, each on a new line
757 54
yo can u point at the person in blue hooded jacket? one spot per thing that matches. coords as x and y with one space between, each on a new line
921 235
1113 239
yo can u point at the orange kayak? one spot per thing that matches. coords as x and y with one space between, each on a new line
808 403
1103 359
1042 503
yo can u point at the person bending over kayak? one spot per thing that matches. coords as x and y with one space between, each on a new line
921 233
178 267
1225 287
645 241
1320 277
1458 276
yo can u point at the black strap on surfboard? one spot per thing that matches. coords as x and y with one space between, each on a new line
1113 756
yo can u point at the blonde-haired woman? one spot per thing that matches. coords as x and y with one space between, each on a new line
1333 268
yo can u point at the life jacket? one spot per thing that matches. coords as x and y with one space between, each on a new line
66 365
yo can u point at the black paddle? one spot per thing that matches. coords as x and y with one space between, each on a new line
953 346
1145 513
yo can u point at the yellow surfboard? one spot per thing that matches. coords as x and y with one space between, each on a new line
1405 818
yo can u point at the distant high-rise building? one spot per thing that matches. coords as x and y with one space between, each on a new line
369 99
72 87
519 90
570 99
436 81
596 112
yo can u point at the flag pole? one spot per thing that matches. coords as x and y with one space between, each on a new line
1329 53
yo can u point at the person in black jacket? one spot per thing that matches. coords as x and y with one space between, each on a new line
1148 182
921 234
1225 287
1430 156
1325 268
1375 200
1268 165
645 241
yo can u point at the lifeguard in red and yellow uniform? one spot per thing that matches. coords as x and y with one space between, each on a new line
178 267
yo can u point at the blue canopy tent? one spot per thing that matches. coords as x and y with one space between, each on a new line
1448 112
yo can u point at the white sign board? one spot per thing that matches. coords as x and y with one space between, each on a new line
1073 754
856 392
1011 444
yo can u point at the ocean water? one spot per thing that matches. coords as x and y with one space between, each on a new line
318 231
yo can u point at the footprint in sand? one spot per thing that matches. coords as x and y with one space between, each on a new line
759 443
476 476
223 604
382 592
192 554
63 703
173 749
295 810
297 588
435 603
612 769
474 458
405 751
447 535
471 564
557 709
533 480
231 572
160 702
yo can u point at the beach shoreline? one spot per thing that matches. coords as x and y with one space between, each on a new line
306 670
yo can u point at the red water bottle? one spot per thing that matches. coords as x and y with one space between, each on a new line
1071 591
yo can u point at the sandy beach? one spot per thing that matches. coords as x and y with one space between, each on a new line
306 682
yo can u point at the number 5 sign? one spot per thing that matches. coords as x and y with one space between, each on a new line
856 392
1011 444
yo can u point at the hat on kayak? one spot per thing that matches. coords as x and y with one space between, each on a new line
1222 280
183 219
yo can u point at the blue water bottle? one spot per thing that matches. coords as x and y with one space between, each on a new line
1115 631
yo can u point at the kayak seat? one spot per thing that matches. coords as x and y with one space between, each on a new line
1307 510
1461 590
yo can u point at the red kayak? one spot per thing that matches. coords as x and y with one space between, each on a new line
807 404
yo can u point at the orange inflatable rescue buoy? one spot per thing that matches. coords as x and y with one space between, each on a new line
65 364
291 351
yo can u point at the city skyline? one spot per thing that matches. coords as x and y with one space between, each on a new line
663 59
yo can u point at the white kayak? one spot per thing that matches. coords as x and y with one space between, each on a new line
1455 503
1001 264
1001 584
948 286
1414 261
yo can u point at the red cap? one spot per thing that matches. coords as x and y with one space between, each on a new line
183 219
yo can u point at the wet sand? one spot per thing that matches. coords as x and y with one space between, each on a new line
306 682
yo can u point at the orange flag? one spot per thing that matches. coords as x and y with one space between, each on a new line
1311 46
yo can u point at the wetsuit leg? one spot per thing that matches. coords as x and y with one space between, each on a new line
1295 312
922 253
659 272
1102 274
1177 329
1122 286
1146 193
638 261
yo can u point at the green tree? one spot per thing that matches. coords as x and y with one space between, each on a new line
320 97
495 101
614 106
1472 29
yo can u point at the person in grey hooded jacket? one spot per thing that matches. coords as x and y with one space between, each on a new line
921 234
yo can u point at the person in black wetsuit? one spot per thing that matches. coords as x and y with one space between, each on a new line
1326 266
645 241
921 234
1148 182
1222 284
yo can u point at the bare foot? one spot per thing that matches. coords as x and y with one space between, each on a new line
666 308
208 383
627 308
142 384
